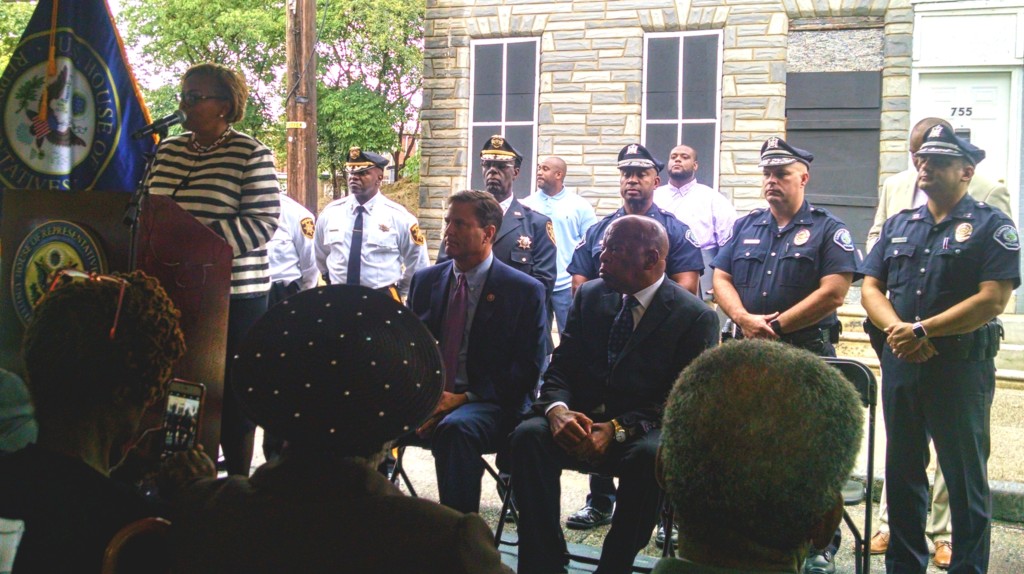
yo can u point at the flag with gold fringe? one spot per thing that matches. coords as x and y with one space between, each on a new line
69 101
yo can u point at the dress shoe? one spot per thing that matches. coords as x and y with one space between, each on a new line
943 553
588 517
659 538
819 563
880 542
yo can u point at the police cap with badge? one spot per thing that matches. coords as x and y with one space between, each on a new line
775 151
637 156
341 368
360 161
942 141
497 148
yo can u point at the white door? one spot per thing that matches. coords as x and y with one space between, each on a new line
979 102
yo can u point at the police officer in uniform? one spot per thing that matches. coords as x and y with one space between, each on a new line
526 240
949 267
290 250
365 238
785 272
638 178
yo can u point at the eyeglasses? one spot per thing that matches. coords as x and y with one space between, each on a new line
65 276
192 98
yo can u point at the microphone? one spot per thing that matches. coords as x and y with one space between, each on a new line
161 125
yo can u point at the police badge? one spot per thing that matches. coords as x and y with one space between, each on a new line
963 231
497 142
353 152
524 242
802 236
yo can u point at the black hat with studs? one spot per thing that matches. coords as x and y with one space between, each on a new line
344 368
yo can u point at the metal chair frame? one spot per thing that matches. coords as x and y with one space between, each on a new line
861 377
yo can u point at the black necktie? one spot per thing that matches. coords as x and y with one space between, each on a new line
355 249
622 328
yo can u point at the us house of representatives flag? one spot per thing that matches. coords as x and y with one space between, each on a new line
69 101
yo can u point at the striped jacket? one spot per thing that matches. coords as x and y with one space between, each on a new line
233 190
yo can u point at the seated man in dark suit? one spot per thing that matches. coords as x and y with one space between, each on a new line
490 322
354 371
758 439
628 336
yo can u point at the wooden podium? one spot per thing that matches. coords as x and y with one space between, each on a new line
192 263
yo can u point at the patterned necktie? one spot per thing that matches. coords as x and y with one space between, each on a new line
453 330
355 250
622 328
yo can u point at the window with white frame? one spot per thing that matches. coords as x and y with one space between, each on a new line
682 96
503 101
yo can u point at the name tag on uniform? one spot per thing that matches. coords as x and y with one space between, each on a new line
753 241
898 240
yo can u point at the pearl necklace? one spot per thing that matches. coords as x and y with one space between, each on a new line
194 145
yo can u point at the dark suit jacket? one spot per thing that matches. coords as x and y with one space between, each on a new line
537 259
673 331
312 513
506 345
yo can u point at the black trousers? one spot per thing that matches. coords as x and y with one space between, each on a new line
537 464
949 401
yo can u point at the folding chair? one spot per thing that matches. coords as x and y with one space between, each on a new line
398 474
854 492
666 521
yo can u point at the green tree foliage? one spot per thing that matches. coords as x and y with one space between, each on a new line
14 16
245 35
378 45
351 116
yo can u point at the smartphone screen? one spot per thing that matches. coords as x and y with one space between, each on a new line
182 415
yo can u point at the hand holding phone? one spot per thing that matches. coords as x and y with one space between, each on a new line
182 415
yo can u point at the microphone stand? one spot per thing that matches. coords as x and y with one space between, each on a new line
133 212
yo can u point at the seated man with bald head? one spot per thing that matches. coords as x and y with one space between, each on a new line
741 506
628 336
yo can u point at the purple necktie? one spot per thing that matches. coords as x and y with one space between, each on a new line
452 331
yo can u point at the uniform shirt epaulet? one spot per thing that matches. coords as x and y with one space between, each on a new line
982 205
756 211
337 201
908 210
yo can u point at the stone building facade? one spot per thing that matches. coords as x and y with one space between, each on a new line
593 69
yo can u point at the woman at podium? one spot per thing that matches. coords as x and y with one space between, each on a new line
227 180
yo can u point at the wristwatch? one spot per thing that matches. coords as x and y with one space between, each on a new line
776 326
919 331
620 431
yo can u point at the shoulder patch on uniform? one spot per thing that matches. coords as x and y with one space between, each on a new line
551 232
843 239
308 227
692 238
417 234
1007 236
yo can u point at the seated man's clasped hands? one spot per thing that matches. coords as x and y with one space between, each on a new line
628 336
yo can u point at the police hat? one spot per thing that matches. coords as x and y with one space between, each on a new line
344 368
940 140
497 148
360 161
775 151
636 155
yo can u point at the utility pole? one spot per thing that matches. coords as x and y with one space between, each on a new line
301 105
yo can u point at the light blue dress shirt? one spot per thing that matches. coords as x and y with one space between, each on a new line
571 216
